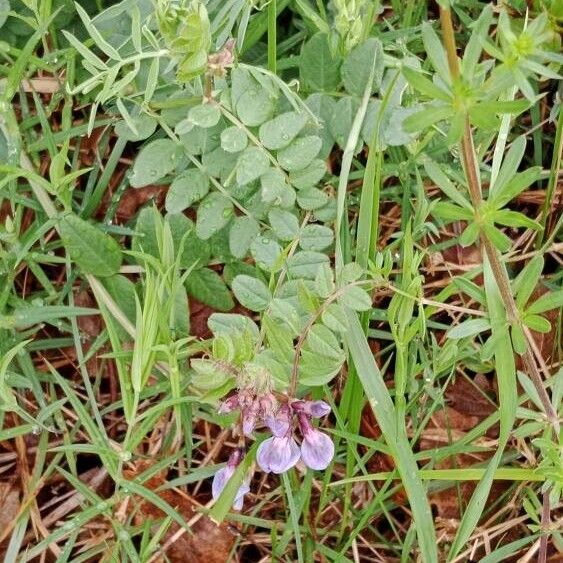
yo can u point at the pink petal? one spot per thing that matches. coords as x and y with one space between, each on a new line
277 454
317 450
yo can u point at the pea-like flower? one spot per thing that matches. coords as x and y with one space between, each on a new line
277 454
223 476
317 449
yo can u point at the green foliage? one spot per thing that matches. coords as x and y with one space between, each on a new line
283 185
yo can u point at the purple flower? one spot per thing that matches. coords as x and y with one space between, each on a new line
316 409
317 449
221 478
278 454
280 423
249 417
229 405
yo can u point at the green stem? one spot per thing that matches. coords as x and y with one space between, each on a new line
272 36
553 176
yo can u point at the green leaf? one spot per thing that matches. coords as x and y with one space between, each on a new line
517 183
334 317
205 115
356 298
322 341
275 189
221 323
187 188
195 252
144 124
315 237
300 153
214 212
285 312
425 86
537 323
311 199
209 373
315 370
357 66
451 212
469 235
252 102
266 253
24 317
506 377
122 291
510 164
305 264
468 328
511 218
318 67
341 121
280 131
322 106
199 140
435 52
324 281
546 302
427 117
306 177
155 160
208 288
233 139
284 224
243 231
280 340
498 238
444 183
93 250
251 164
251 293
4 10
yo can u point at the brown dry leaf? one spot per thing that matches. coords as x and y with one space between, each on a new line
209 543
134 198
10 503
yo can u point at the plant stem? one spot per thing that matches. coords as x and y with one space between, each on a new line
552 182
272 39
497 266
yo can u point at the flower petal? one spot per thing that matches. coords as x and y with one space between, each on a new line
317 450
239 498
279 423
220 480
278 454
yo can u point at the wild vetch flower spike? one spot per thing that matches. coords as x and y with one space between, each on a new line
278 454
222 477
317 449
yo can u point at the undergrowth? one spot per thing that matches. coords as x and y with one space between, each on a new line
281 280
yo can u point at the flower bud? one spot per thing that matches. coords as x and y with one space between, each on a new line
222 477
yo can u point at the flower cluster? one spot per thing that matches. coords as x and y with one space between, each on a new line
280 452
